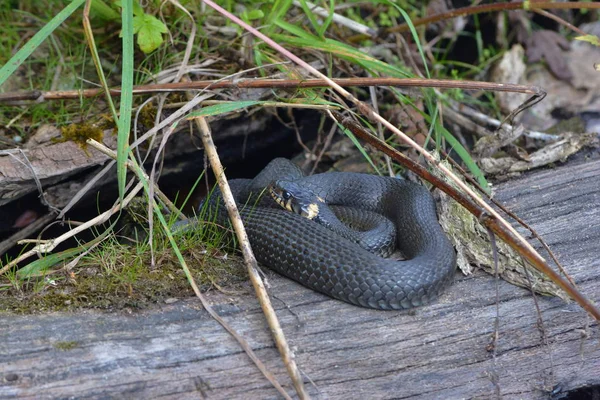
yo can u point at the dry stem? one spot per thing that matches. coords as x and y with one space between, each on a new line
251 263
254 83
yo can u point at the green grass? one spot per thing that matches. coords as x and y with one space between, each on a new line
118 273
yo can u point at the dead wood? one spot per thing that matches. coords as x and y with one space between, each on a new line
439 351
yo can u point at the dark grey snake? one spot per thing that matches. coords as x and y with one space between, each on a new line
313 255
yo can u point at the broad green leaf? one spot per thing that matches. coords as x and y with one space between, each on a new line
149 32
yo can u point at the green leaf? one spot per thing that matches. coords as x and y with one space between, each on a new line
295 30
590 39
101 10
43 264
137 9
344 51
33 43
222 108
311 16
149 30
254 15
124 122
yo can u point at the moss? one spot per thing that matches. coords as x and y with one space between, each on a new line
148 115
574 124
80 133
117 276
70 345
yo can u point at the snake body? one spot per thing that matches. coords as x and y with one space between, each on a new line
314 256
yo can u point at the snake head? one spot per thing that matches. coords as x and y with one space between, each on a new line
294 198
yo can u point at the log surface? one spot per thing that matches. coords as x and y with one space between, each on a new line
438 351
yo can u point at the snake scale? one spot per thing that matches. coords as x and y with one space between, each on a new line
312 255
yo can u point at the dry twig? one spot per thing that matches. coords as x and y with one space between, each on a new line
47 246
254 83
251 263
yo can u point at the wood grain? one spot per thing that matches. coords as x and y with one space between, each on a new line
435 352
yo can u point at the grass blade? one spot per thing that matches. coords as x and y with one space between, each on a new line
43 264
414 34
311 17
222 108
15 61
125 107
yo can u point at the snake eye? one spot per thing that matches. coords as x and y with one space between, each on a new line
286 195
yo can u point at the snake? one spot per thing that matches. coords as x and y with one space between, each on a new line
317 257
370 230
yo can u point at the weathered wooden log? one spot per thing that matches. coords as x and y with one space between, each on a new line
440 351
54 163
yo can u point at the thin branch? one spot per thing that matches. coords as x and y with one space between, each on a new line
253 83
251 263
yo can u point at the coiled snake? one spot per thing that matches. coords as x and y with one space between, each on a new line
314 256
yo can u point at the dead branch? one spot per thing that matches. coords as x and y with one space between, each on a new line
39 96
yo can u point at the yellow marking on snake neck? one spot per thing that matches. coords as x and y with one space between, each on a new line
312 211
288 205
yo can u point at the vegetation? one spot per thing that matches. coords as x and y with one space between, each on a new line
59 50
